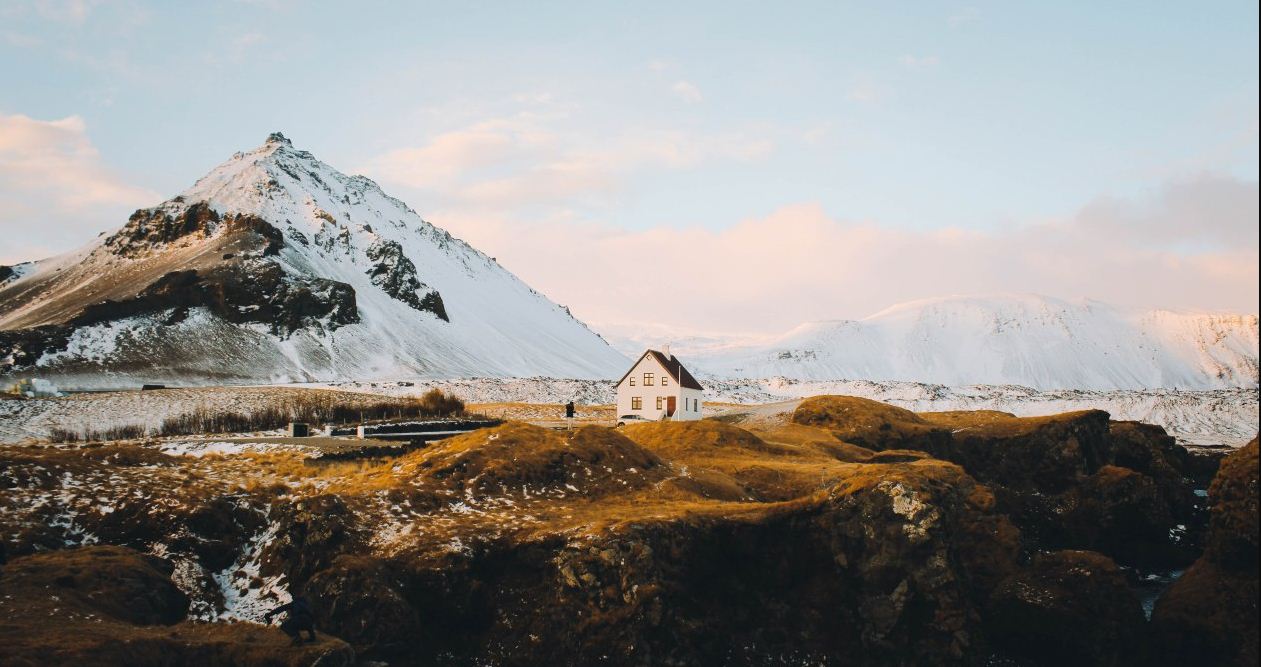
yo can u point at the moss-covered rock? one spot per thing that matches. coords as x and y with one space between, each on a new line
1210 615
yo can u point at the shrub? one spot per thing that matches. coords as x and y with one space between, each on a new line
313 409
123 432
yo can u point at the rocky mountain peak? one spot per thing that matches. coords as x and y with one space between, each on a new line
318 274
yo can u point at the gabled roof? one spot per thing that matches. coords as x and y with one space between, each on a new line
672 365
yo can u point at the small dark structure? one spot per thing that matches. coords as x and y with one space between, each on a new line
299 430
151 387
415 431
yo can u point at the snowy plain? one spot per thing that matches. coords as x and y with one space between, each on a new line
1224 417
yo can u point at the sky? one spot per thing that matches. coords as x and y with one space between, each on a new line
709 166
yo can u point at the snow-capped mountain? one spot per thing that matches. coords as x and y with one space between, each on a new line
1027 340
276 267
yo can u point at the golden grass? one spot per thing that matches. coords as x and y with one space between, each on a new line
530 482
995 424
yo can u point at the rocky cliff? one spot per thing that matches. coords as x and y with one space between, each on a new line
684 543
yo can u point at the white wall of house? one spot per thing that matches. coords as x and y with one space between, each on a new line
654 397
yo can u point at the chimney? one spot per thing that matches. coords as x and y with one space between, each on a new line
665 349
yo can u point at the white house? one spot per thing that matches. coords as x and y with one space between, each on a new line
657 387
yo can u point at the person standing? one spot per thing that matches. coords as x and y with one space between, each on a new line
298 618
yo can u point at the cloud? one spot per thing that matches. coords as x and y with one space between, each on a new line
1206 210
20 40
53 179
688 92
963 17
240 45
865 93
919 62
69 11
767 274
536 160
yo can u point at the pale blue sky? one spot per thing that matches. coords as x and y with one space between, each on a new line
494 117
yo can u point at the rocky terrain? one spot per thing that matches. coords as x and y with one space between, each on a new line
276 267
847 532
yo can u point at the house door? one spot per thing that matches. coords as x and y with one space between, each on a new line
670 403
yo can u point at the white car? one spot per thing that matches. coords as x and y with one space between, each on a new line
626 419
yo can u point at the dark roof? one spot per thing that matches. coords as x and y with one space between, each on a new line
672 365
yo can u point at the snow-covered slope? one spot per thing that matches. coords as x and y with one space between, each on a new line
276 267
1027 340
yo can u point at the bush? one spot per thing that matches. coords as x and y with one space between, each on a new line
440 404
317 410
313 409
123 432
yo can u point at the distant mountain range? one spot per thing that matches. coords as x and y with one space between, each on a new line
1027 340
275 267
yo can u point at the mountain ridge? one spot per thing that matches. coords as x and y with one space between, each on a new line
276 267
1000 339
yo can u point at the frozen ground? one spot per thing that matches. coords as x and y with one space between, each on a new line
1208 418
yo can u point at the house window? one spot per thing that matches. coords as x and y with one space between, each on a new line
637 403
664 380
659 399
632 380
647 379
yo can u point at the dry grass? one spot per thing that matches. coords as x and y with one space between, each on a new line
316 408
124 432
995 424
551 413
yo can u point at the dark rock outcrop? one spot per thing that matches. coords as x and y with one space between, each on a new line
148 227
1068 607
114 606
22 348
363 599
1063 479
1130 516
310 534
394 273
1210 615
250 291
